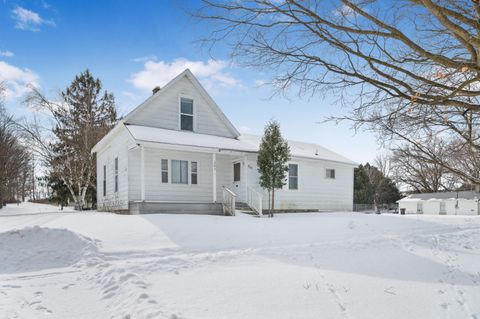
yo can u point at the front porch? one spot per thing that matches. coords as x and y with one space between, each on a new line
208 181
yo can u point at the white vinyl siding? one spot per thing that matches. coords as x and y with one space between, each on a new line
112 171
155 190
314 190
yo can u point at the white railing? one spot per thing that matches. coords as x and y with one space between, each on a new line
254 200
228 201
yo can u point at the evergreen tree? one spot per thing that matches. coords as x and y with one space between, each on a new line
83 116
372 187
363 188
273 155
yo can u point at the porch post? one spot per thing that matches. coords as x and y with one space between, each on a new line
214 176
142 172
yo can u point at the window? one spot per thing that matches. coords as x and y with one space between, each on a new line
164 171
104 180
194 166
236 172
116 174
419 207
443 207
292 176
179 172
330 173
186 114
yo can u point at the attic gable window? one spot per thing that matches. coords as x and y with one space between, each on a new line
186 114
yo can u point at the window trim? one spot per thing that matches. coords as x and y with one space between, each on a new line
193 115
162 170
288 177
116 173
180 183
327 176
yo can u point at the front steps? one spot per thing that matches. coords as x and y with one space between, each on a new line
244 208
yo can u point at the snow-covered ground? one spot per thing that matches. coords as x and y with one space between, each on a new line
332 265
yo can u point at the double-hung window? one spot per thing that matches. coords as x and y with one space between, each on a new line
292 176
164 171
443 207
419 207
330 173
194 169
116 174
179 172
186 114
104 180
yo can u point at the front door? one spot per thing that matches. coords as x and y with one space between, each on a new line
237 181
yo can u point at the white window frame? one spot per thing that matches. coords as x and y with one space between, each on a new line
419 207
327 176
288 177
443 205
192 172
188 172
104 185
115 161
194 113
164 171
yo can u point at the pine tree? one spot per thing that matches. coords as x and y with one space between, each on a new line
83 117
273 155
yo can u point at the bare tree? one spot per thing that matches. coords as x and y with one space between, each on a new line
14 156
383 164
408 70
419 173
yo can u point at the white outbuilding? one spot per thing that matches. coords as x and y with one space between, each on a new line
444 203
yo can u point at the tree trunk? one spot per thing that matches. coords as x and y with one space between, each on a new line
273 202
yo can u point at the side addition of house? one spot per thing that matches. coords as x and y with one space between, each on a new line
178 152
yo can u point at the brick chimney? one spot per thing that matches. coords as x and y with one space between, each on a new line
155 90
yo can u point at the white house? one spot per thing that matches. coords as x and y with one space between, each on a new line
446 203
178 152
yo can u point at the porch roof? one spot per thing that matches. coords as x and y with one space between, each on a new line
244 143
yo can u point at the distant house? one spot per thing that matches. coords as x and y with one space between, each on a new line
446 203
178 152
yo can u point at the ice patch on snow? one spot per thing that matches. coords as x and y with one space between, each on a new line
37 248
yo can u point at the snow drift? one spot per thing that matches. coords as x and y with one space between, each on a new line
36 248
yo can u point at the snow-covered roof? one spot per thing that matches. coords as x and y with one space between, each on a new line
442 195
244 143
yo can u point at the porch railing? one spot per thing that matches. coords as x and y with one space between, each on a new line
254 200
228 201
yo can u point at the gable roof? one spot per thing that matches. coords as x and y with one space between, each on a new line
188 74
244 143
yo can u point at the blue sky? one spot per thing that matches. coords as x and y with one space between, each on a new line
133 46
